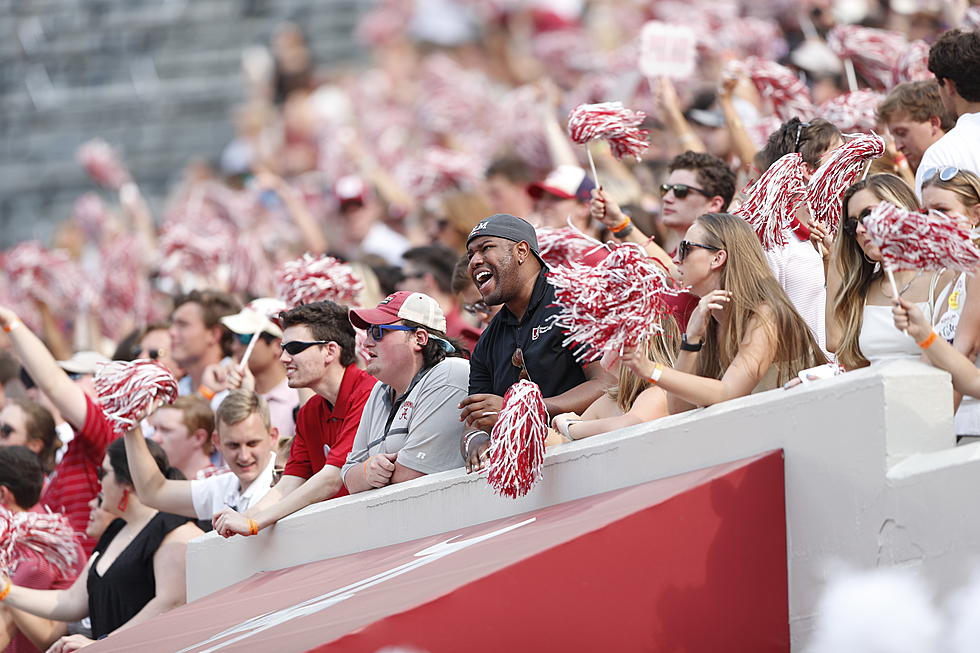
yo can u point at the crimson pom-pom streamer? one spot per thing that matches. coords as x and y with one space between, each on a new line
48 534
874 52
852 112
516 450
789 96
102 164
50 277
612 122
913 64
563 246
773 199
616 304
315 279
841 169
127 390
909 240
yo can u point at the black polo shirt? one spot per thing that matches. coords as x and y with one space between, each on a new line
549 364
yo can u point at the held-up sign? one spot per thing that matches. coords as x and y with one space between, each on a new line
667 50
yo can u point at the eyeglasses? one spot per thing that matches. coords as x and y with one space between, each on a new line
799 135
377 331
476 307
685 247
945 174
681 190
152 354
294 347
851 224
6 430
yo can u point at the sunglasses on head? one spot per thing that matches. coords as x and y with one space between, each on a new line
799 135
681 190
294 347
476 307
6 430
152 354
685 246
945 174
377 331
851 224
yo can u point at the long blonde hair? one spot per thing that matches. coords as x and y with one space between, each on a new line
750 281
964 184
856 270
661 348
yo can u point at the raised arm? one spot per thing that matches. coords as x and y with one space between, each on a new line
67 397
59 605
604 209
966 376
152 487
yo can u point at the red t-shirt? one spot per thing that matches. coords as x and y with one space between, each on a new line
681 305
74 481
34 571
325 433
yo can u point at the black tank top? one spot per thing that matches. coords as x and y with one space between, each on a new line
129 582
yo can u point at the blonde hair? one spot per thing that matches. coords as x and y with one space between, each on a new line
661 348
239 405
753 288
856 270
964 184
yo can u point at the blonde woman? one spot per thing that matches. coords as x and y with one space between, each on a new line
859 294
633 400
744 336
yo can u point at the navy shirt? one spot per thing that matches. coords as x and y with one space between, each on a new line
549 364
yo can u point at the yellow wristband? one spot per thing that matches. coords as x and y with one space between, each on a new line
7 329
925 344
253 527
6 589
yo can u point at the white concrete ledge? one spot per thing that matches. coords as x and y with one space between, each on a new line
840 437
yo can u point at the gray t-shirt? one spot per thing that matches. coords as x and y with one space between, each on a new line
425 429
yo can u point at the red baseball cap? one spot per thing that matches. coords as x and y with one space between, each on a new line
402 305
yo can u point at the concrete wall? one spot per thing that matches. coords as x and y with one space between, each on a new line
872 478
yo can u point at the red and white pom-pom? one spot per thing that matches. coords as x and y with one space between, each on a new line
562 246
772 201
123 286
852 112
102 164
47 276
909 240
874 52
315 279
612 122
516 450
48 534
437 170
789 96
384 23
614 305
90 214
128 389
841 169
913 64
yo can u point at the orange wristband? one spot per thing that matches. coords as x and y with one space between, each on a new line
622 225
6 589
205 392
7 329
253 527
925 344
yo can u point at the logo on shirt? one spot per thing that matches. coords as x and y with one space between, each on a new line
406 409
420 455
538 330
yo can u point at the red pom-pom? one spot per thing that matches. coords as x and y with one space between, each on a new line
37 274
516 450
102 164
874 52
773 199
127 390
613 305
789 96
560 247
913 65
909 240
316 279
841 169
852 112
46 533
612 122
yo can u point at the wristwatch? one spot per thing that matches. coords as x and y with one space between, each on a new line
690 346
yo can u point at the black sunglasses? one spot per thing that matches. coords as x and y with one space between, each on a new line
476 307
377 331
6 430
100 472
152 354
681 190
685 246
294 347
850 225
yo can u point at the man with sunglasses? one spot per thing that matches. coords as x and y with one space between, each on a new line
955 61
318 352
410 426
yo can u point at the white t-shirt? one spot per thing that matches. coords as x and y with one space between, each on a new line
798 267
960 147
211 495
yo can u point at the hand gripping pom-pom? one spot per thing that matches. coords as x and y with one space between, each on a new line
127 390
909 240
48 534
516 450
612 122
315 279
841 169
612 306
772 201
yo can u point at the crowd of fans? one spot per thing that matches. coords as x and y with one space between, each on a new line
438 173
